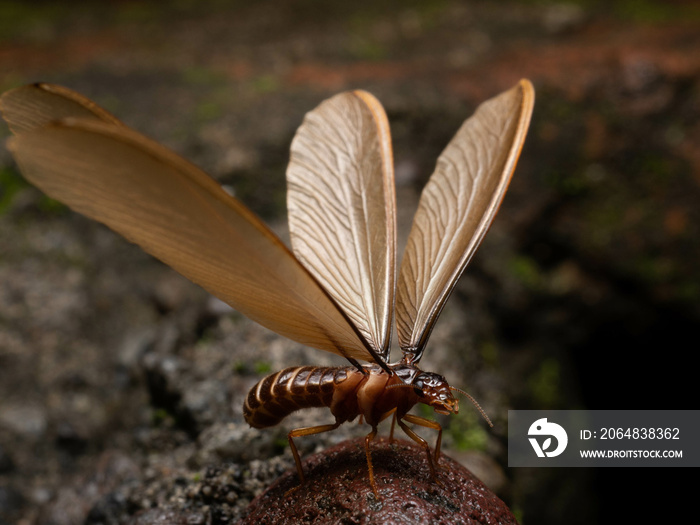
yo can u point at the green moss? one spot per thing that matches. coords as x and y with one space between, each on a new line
367 49
466 431
10 184
262 367
265 84
489 353
160 417
112 104
658 167
544 384
258 368
138 12
526 271
41 21
688 291
30 20
518 513
431 11
239 367
263 188
425 411
363 24
602 222
49 206
10 80
566 182
562 110
202 76
654 11
427 11
654 270
208 110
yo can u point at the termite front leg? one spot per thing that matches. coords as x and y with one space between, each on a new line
417 420
299 432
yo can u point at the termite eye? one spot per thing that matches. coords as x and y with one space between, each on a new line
419 392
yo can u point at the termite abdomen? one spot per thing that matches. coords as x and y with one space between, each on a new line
278 395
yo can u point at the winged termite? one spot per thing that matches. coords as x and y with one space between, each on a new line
336 291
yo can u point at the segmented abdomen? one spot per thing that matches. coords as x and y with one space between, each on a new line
278 395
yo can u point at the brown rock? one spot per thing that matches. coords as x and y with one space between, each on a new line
337 490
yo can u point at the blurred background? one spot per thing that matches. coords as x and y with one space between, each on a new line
121 383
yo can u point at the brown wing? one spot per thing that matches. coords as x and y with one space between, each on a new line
180 215
341 203
456 209
35 105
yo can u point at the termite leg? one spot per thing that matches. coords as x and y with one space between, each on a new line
422 442
299 432
369 438
417 420
391 413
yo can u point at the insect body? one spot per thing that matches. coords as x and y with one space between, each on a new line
338 290
373 393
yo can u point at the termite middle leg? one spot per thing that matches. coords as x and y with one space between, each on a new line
308 431
415 437
417 420
393 424
368 439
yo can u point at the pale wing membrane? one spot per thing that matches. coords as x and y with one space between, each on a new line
341 205
456 209
35 105
180 215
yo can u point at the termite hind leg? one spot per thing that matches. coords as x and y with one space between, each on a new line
422 442
368 439
417 420
300 432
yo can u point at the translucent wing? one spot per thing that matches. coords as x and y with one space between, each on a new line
35 105
342 207
180 215
456 209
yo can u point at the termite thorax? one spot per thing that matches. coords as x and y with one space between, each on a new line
407 386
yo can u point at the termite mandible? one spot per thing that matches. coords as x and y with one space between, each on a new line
337 290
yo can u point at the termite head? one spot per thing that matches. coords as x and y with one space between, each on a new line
433 390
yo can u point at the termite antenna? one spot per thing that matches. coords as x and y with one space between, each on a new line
474 402
406 385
